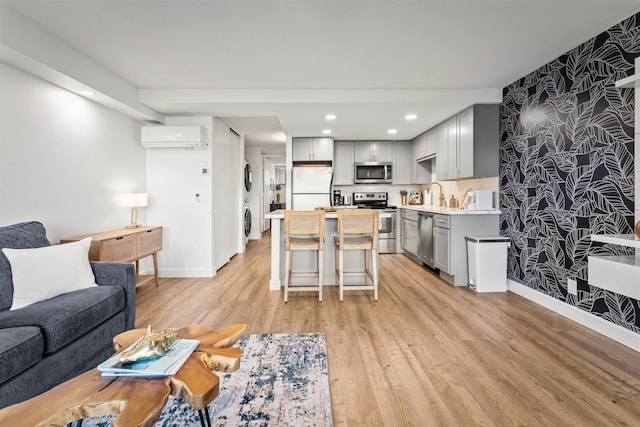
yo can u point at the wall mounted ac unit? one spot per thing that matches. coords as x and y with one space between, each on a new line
174 137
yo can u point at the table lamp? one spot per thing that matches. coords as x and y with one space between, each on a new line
134 201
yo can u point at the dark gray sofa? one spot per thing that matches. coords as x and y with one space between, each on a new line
49 342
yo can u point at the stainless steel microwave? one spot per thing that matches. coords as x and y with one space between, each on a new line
372 173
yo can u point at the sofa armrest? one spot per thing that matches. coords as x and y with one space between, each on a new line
122 274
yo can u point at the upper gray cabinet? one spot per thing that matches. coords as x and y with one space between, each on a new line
374 151
343 163
425 145
468 144
306 149
402 164
421 149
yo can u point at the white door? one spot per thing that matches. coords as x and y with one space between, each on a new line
222 183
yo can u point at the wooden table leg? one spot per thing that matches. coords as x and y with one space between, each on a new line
155 267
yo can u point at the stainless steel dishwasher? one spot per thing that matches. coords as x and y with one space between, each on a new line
425 239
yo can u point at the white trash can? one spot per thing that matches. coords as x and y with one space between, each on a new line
487 263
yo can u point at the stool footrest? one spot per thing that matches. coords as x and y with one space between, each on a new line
358 287
303 274
293 288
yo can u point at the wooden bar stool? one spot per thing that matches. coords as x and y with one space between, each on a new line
358 230
303 231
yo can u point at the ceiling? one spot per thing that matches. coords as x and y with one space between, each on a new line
279 66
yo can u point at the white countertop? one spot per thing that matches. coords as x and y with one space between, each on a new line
629 240
448 211
279 214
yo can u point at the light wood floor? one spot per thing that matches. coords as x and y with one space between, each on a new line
426 353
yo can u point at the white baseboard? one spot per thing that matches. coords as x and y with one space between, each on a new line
617 333
182 272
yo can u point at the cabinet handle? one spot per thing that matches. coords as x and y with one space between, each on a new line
120 238
149 231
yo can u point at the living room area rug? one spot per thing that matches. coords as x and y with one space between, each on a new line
283 380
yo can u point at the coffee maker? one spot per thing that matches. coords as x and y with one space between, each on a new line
337 197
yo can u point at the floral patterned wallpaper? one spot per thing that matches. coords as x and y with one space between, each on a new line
567 169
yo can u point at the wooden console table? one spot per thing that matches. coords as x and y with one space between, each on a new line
126 245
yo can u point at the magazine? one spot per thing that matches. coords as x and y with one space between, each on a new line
160 366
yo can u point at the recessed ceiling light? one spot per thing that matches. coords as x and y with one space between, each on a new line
392 131
326 131
87 93
330 117
410 116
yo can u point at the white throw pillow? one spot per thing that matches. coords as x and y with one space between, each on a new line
42 273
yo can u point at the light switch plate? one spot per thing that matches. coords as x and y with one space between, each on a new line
572 286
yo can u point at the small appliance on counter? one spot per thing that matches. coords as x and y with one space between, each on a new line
426 198
337 198
415 197
482 200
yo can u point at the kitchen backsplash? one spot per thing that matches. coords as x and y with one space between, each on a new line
393 190
458 188
450 188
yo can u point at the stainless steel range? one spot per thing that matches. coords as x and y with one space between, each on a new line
387 227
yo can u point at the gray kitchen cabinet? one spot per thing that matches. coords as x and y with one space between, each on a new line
402 164
468 144
409 240
420 146
426 144
421 170
343 163
309 149
465 148
450 246
441 238
443 152
415 153
431 142
374 151
478 141
452 149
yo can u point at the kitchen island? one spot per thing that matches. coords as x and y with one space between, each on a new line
304 261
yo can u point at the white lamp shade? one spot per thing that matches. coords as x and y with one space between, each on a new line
134 200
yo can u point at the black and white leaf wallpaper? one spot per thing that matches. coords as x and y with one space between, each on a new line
567 169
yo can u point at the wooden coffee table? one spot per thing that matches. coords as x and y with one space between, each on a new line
137 401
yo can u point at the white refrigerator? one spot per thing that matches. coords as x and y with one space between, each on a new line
311 187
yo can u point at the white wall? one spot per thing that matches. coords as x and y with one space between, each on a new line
267 194
174 178
253 155
236 208
64 160
200 213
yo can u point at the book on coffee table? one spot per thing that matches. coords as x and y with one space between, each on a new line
160 366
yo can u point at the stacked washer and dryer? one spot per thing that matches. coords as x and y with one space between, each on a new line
248 182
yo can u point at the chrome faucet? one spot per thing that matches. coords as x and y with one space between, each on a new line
441 198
